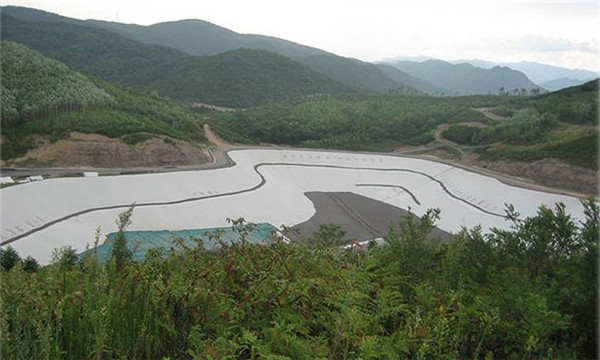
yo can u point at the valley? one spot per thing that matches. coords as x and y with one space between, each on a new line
181 190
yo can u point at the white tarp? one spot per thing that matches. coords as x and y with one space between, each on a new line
239 191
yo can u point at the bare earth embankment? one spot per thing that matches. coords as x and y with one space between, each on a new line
93 150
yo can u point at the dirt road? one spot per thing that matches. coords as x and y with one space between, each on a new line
487 111
216 139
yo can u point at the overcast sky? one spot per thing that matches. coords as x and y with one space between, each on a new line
563 33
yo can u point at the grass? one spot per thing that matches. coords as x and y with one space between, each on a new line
475 296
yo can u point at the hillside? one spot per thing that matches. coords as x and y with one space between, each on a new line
237 79
201 38
417 83
44 102
198 37
244 77
354 73
466 79
561 83
35 86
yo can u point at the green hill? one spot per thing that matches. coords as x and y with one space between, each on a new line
245 77
237 79
34 86
44 97
201 38
354 73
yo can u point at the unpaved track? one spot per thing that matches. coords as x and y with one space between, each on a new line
216 139
487 111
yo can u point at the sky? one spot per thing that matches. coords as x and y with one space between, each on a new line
562 33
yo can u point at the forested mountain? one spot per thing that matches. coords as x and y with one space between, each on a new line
192 36
238 78
34 86
44 97
197 37
466 79
354 73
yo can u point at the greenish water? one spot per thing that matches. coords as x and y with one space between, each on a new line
139 242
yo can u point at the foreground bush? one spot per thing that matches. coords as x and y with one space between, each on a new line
527 293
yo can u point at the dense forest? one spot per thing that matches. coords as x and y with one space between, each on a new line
238 78
35 86
351 122
41 96
526 293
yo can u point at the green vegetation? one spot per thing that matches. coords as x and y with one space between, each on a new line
526 293
557 125
35 86
243 77
461 134
581 151
354 122
52 100
355 73
577 104
238 78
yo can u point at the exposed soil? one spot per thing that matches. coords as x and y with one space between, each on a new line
213 107
550 172
487 111
216 139
93 150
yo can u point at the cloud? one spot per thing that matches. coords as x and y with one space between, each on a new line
544 44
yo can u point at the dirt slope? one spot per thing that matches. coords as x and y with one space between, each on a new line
93 150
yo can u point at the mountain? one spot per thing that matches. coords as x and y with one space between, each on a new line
417 83
561 83
537 72
238 78
195 37
48 99
466 79
354 73
201 38
198 37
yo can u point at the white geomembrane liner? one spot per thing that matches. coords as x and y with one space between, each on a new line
280 200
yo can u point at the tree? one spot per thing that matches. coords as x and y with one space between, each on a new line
9 258
65 258
30 264
328 236
120 253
